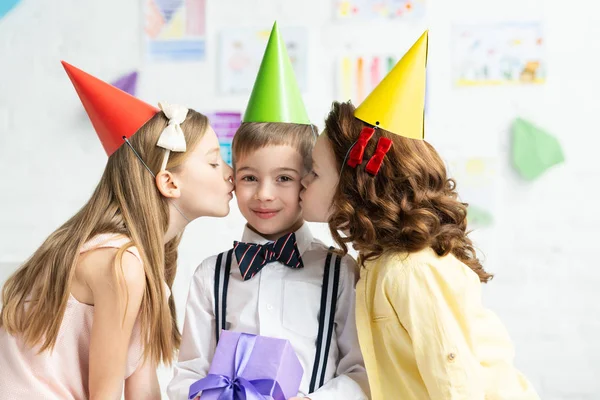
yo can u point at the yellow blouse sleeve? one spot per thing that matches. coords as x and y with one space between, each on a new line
431 305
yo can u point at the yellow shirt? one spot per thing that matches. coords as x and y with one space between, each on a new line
424 332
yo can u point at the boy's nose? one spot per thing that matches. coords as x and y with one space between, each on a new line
265 192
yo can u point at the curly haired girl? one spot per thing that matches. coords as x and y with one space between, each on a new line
423 330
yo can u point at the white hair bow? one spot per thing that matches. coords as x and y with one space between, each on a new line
172 138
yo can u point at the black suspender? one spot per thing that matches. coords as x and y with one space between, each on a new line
329 291
222 272
329 294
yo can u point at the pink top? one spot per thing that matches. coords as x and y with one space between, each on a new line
62 374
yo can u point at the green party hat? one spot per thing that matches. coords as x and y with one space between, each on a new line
276 96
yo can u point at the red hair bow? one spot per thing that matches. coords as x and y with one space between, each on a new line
356 154
383 146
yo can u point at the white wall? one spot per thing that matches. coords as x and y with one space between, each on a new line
541 247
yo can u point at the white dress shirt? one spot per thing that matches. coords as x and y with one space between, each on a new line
278 302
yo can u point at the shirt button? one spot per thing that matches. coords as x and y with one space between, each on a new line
270 307
451 357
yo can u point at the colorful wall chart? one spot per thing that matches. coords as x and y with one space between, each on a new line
241 51
357 76
507 53
175 30
225 125
380 9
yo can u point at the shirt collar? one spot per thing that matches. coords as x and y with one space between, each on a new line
303 237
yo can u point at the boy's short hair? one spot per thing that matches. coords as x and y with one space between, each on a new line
252 136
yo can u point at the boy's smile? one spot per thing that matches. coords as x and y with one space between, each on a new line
265 213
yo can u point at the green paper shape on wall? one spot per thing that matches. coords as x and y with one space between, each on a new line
534 150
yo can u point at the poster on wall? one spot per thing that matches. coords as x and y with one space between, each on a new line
175 30
241 51
498 54
225 125
475 182
357 75
380 9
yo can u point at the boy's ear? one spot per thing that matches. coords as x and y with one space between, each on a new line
168 185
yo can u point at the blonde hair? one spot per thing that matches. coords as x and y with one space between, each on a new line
127 202
252 136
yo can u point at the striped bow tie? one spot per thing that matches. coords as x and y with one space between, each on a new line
253 257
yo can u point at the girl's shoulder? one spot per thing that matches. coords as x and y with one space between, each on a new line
427 267
396 261
108 241
107 262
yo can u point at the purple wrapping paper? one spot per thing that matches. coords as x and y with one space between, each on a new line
270 358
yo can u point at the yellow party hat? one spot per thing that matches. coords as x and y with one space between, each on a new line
397 104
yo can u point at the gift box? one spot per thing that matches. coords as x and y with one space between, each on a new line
250 367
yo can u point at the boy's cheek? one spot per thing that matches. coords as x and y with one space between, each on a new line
241 195
297 191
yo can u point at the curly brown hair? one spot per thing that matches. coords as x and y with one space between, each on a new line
408 206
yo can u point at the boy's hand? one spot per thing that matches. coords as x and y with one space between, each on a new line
299 398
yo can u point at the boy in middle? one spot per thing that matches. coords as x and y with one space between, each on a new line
278 281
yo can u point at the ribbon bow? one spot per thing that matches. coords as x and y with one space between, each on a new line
235 387
358 150
383 146
172 137
253 257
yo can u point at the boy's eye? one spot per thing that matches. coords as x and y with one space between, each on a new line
249 178
214 165
285 179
